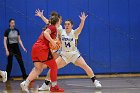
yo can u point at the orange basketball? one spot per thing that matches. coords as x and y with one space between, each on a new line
55 48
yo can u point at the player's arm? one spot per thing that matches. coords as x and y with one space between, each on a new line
83 17
40 14
59 35
47 33
59 31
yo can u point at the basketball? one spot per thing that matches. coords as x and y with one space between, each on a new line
55 48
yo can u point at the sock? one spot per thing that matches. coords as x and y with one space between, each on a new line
27 82
93 79
47 82
54 83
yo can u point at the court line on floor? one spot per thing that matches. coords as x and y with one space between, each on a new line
84 76
76 85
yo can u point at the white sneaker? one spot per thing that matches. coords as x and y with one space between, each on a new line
97 84
44 87
4 76
24 87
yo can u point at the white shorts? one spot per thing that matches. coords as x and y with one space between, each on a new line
70 56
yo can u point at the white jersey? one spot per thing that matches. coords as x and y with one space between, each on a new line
68 41
59 29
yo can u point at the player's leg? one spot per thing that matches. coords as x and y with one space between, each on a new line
4 75
56 54
53 76
81 63
38 68
36 71
60 64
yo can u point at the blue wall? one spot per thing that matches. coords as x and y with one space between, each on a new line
110 36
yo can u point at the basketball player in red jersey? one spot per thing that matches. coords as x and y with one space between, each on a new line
41 55
40 14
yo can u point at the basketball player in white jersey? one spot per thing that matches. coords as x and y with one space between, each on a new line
70 52
4 75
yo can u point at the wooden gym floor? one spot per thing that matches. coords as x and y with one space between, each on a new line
112 84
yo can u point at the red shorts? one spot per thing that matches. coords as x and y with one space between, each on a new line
40 54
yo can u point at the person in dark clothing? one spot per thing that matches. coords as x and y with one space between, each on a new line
11 40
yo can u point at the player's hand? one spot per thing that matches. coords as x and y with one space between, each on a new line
83 16
39 13
7 53
54 43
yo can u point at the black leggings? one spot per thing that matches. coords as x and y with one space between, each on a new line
15 51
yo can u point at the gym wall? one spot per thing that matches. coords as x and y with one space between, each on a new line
109 42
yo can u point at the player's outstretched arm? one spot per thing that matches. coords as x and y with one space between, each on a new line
83 17
39 13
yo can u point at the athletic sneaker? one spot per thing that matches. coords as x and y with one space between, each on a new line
24 86
4 76
44 87
56 89
97 84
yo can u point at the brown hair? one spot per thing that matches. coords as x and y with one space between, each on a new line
53 20
54 13
70 21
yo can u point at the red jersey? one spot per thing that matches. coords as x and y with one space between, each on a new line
42 41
